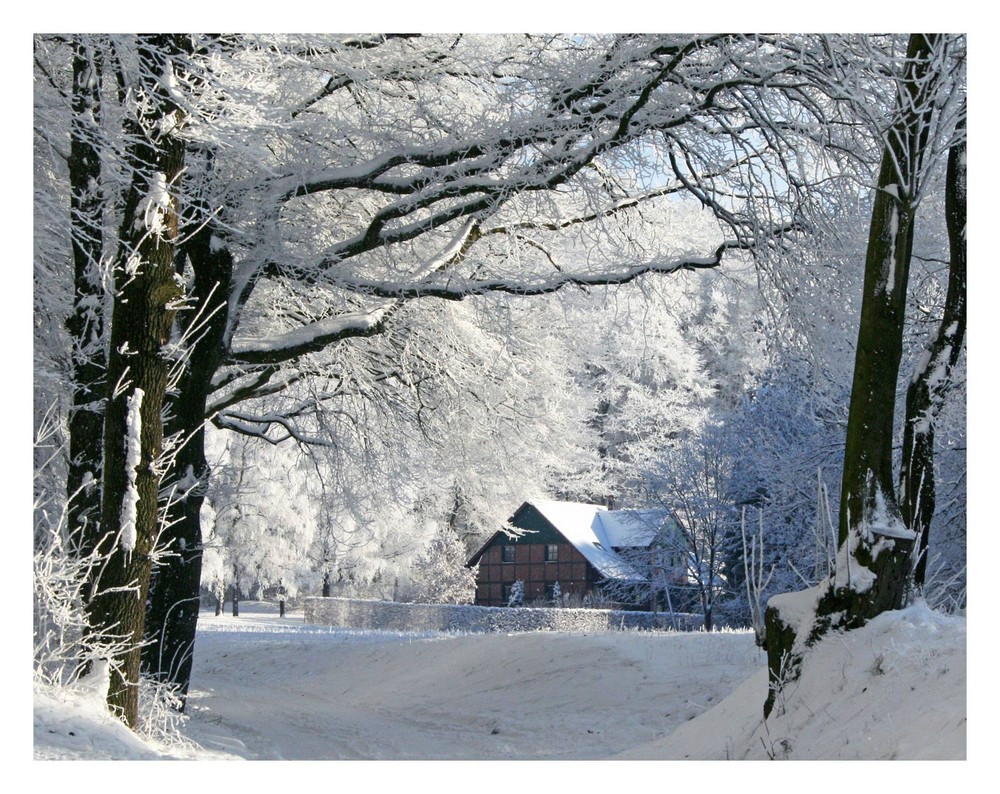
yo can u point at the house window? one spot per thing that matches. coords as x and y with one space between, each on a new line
507 554
551 552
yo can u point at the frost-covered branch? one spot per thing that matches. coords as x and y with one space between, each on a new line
311 338
459 288
260 425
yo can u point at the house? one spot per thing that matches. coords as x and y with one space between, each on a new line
587 549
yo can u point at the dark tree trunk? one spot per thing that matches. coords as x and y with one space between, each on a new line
868 463
172 616
236 597
327 587
931 381
146 295
874 559
86 324
219 605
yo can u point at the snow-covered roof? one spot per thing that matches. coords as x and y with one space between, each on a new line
594 531
631 528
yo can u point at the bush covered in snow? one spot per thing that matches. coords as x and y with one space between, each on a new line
516 594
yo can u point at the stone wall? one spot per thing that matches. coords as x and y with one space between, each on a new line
391 616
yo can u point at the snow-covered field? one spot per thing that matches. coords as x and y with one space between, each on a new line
341 695
271 688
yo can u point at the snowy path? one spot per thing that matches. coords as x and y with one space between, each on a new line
269 688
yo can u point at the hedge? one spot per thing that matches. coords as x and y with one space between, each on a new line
393 616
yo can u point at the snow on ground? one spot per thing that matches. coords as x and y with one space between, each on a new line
273 688
895 689
351 695
73 723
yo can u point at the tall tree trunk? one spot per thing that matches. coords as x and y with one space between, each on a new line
172 616
874 556
86 324
931 381
145 301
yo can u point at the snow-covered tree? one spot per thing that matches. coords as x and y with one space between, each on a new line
877 541
214 574
146 298
262 525
786 442
694 484
440 575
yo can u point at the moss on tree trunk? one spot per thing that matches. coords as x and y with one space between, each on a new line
172 616
874 559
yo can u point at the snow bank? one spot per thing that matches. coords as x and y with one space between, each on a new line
894 689
73 722
392 616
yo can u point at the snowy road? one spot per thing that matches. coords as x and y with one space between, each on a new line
270 688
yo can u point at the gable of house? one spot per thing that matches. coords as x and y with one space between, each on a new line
539 556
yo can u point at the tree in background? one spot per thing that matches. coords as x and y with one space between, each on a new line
440 575
786 441
261 526
694 483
